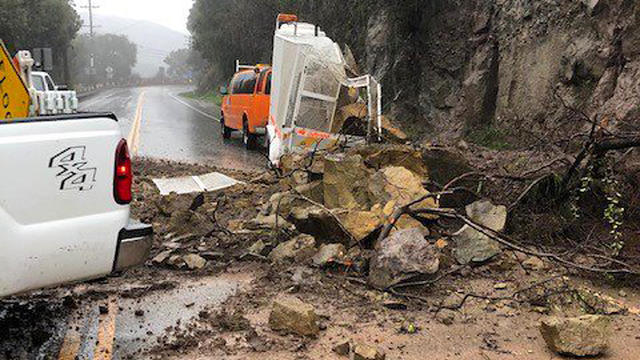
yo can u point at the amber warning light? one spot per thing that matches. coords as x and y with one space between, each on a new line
287 18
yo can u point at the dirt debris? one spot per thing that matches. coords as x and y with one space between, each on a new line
459 302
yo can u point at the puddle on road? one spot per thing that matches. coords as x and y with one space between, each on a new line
142 321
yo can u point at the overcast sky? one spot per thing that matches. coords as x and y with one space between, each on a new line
170 13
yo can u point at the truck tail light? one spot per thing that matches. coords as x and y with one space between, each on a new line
123 177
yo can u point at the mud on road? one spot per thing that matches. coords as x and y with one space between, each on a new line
219 308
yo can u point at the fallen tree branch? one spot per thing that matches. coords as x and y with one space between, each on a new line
511 244
406 209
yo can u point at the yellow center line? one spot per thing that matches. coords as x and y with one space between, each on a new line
72 341
134 135
106 332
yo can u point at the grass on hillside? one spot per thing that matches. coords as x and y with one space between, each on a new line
490 137
211 96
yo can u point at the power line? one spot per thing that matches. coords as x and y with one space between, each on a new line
90 7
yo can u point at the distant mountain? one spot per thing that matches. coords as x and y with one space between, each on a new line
154 41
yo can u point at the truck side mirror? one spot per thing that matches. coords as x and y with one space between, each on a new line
224 90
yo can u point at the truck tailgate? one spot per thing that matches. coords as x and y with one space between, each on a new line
59 220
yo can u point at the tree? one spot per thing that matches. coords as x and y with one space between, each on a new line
110 52
28 24
227 30
184 64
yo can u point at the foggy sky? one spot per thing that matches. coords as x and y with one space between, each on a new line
170 13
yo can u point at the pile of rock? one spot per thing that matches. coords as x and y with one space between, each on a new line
340 202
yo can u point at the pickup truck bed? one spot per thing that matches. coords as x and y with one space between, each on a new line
60 216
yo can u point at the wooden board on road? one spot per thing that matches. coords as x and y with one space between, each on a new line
14 97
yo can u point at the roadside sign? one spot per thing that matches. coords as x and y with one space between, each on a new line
14 97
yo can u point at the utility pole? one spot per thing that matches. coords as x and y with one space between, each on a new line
92 70
90 7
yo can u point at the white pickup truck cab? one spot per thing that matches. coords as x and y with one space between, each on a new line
52 99
64 202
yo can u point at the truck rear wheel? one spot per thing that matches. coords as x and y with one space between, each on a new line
226 132
250 140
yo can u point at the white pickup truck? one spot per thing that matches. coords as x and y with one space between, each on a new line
52 99
64 202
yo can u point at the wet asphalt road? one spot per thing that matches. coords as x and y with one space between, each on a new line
163 125
160 124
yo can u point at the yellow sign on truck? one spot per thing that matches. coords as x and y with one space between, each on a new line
14 97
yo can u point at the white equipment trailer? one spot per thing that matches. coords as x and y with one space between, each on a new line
308 76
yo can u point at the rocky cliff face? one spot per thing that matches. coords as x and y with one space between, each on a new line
451 67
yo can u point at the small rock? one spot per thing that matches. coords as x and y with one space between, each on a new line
446 317
298 249
194 262
485 213
394 304
329 253
366 352
212 255
622 293
257 248
533 263
501 286
342 349
291 315
162 257
583 336
268 222
176 261
442 243
235 225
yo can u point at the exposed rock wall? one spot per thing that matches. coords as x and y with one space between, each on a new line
452 66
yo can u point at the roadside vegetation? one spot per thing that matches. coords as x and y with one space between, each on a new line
210 96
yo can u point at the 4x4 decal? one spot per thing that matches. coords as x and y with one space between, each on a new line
74 172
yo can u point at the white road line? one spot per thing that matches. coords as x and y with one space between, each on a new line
194 108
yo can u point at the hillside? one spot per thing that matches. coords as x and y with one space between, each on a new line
154 41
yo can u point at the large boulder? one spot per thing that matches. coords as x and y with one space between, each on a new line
320 223
313 190
291 315
345 182
398 184
360 224
282 203
402 256
582 336
382 156
474 246
298 249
